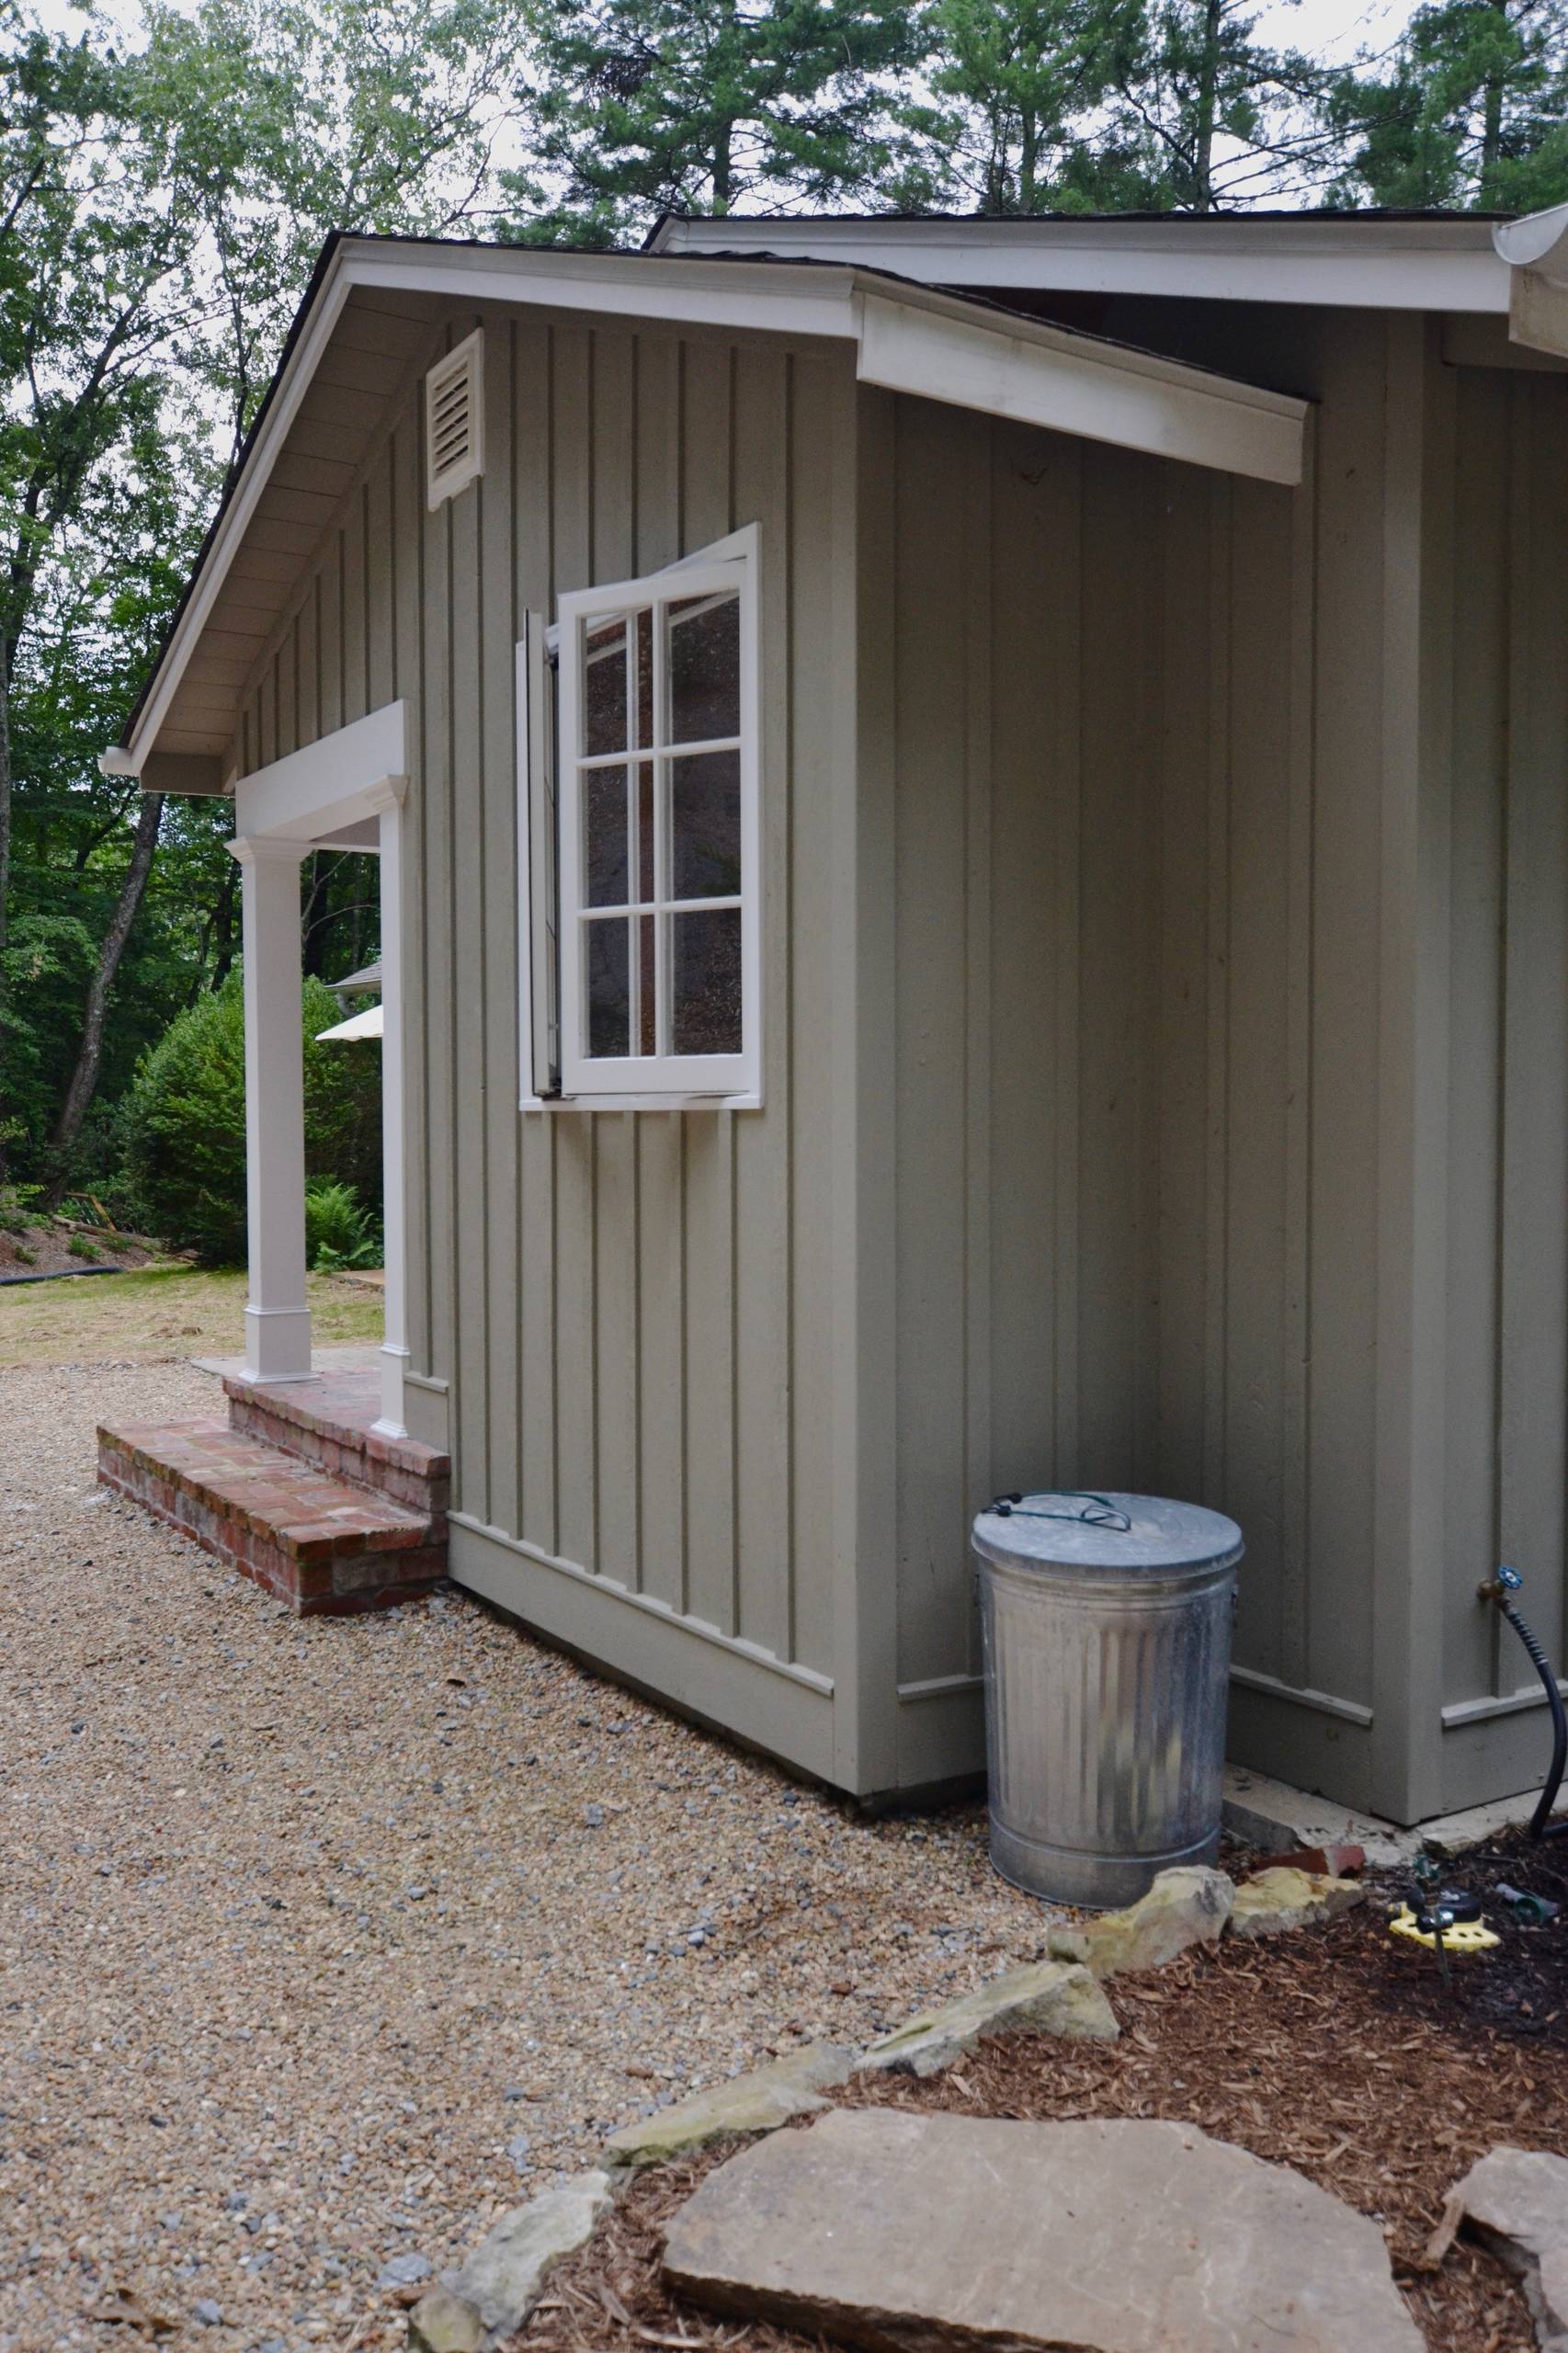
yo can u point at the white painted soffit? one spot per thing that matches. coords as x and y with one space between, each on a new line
1535 250
1360 262
908 337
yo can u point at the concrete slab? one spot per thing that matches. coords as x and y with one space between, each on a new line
1272 1815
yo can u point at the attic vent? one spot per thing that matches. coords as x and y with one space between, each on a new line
454 419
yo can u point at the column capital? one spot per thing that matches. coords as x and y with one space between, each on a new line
391 793
264 849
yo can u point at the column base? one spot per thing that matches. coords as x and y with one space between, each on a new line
393 1361
277 1344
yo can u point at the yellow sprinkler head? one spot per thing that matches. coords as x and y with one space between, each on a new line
1459 1936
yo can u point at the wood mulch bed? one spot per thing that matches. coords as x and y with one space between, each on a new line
1338 2050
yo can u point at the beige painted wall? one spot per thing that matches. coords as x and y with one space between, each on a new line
1148 1058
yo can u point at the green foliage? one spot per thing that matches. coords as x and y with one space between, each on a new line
183 1125
1468 110
339 1232
633 107
79 1247
16 1212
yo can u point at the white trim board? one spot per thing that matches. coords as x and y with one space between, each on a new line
1449 264
905 333
341 779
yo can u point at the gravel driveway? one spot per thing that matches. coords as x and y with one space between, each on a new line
321 1944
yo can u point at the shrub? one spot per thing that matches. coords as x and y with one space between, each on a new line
339 1232
183 1125
80 1247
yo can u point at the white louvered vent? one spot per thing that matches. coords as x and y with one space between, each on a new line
454 419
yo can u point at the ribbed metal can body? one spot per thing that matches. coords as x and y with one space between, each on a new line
1105 1702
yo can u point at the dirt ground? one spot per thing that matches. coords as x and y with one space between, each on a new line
1338 2050
149 1315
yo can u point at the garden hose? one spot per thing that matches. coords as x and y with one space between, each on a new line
1500 1589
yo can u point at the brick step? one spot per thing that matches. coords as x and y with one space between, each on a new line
328 1421
319 1543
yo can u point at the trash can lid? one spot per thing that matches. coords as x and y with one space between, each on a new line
1128 1535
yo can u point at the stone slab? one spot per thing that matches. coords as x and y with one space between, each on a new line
1273 1902
756 2102
911 2233
1047 1998
1517 2200
491 2294
1185 1906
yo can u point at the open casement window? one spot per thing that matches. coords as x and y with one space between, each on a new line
658 904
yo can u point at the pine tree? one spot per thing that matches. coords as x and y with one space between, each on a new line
1011 88
636 107
1468 110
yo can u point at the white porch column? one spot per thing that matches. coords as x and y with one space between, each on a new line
278 1321
395 1337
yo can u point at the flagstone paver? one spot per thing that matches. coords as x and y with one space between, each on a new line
913 2232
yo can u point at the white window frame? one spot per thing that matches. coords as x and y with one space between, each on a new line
557 1072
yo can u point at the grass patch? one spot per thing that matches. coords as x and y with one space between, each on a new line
156 1312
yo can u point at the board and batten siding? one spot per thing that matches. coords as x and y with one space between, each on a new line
625 1325
1500 686
1166 1041
1095 703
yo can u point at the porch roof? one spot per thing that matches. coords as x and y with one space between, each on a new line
369 327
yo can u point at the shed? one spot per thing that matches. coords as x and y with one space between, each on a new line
974 872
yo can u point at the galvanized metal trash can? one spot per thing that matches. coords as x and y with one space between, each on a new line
1107 1624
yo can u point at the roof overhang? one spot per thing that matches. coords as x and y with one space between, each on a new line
907 337
1536 252
1362 260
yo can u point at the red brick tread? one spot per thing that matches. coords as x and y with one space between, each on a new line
318 1541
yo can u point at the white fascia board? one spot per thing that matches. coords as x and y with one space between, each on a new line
1396 265
808 301
1100 393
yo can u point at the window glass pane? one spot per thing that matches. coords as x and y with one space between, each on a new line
609 986
604 687
705 972
646 869
606 870
705 826
648 1003
705 668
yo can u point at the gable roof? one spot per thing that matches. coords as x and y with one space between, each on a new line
371 323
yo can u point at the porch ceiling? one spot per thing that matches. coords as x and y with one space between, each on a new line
370 325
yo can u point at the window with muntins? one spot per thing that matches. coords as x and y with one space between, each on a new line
659 900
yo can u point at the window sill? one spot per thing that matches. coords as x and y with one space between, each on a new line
641 1103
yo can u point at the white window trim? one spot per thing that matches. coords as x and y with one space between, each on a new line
637 1082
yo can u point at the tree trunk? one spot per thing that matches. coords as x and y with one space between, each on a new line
5 880
84 1078
1208 96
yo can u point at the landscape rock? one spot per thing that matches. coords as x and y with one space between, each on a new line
442 2323
756 2102
498 2285
1047 1998
909 2233
1185 1906
1270 1902
1517 2200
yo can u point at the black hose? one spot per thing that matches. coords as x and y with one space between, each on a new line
1541 1826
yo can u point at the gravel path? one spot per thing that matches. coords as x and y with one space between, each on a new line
322 1944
